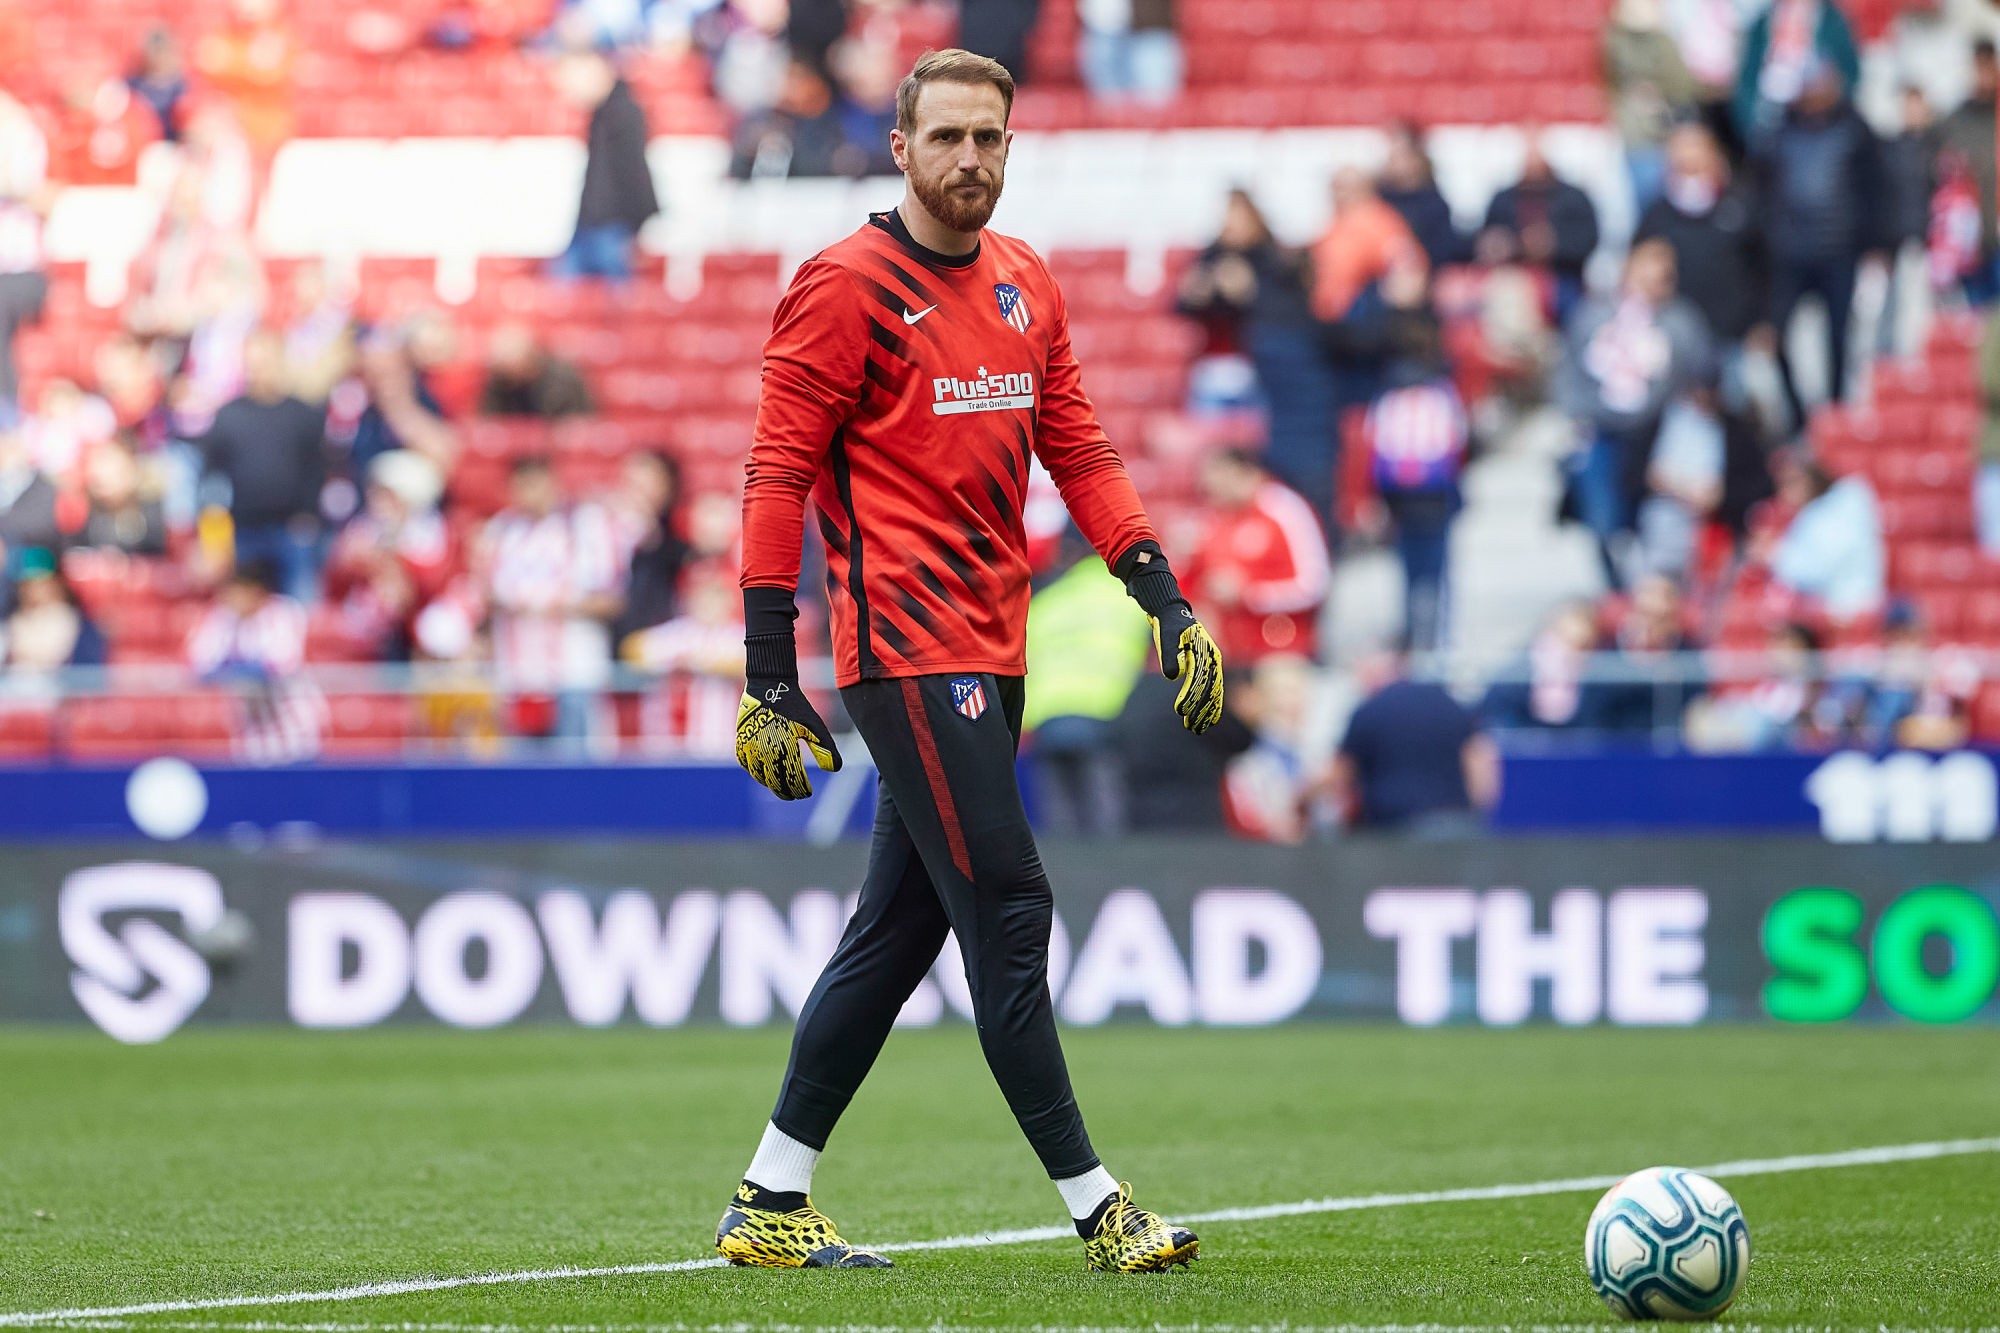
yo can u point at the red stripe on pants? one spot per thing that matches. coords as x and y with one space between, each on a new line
920 727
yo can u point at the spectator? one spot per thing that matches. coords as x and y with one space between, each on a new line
129 382
250 62
1174 778
1364 238
801 135
1545 223
1652 682
1780 49
252 642
46 630
1826 194
1684 478
393 559
1260 575
1720 248
402 410
869 73
1786 704
319 333
121 516
617 196
27 499
1709 33
159 79
524 380
549 572
1414 759
1651 90
1548 691
699 654
1276 790
999 29
24 160
1130 48
646 508
1969 133
67 422
1417 437
1831 552
1909 169
1089 650
1626 358
1986 482
102 131
1222 290
271 450
749 53
1917 697
1408 184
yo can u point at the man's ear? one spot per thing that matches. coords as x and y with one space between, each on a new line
899 149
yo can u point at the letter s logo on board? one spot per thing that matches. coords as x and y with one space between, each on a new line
138 981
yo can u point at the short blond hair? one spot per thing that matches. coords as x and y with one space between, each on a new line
950 66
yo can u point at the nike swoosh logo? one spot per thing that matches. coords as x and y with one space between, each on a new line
909 318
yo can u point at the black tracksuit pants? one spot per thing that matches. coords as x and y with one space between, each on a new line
952 853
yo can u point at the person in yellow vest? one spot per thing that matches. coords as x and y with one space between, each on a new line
1089 644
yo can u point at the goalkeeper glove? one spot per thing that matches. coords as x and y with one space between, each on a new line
775 716
1187 651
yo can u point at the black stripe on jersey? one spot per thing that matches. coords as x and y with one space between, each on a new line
968 573
891 380
830 533
1003 506
889 341
1017 458
896 304
894 635
857 588
914 283
930 579
912 606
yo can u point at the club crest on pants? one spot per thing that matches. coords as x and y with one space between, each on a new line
968 696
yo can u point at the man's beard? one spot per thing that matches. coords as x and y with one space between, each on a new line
954 210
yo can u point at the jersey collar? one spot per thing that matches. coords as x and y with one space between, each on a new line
892 222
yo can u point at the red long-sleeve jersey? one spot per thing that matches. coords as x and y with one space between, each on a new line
903 394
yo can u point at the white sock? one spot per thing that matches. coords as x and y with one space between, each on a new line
1083 1193
783 1163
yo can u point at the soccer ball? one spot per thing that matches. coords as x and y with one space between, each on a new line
1665 1243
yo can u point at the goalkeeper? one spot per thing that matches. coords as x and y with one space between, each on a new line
913 373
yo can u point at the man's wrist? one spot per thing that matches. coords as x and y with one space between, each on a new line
768 611
1149 579
770 657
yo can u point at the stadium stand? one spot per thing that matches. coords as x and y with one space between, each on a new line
433 180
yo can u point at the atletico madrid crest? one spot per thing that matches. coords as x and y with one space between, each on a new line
1013 307
968 696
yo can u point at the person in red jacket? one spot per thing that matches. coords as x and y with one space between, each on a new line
1262 568
914 372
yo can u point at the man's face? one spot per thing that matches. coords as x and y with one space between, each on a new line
264 364
1650 275
1986 75
956 157
1691 155
535 491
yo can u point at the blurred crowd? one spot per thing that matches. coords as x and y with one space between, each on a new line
1377 362
290 453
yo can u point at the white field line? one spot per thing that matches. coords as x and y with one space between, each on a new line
125 1326
1756 1166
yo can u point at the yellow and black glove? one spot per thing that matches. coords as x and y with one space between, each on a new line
775 715
1187 651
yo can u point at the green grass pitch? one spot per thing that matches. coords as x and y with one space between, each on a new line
228 1163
